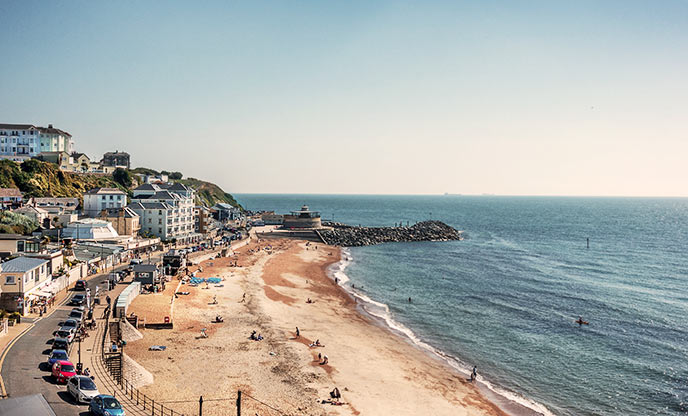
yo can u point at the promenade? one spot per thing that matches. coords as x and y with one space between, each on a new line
24 365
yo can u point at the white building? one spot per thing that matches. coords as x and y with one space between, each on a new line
166 211
98 199
21 279
19 142
90 229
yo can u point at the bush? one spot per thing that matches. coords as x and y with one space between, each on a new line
176 175
11 222
122 177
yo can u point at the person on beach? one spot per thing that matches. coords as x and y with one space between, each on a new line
298 333
474 373
410 299
325 360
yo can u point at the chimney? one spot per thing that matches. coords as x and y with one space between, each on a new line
50 126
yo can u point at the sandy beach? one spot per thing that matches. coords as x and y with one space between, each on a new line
376 371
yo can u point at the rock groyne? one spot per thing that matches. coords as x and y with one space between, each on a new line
351 236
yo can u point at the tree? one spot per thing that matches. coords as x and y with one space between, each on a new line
176 175
122 177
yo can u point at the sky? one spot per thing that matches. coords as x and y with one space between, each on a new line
364 97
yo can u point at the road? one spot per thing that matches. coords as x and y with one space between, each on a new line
25 370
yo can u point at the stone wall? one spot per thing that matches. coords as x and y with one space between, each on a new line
350 236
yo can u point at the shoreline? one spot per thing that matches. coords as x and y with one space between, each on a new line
512 406
375 372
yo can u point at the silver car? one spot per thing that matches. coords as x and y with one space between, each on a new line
82 388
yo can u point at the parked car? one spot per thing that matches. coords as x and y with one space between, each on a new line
57 355
70 324
78 316
80 285
60 344
78 300
64 333
63 370
135 261
82 388
103 405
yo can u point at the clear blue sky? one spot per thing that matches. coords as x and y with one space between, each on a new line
551 98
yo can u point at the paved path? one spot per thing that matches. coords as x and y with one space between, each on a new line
25 370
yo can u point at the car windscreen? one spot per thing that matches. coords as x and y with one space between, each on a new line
60 355
87 384
67 368
111 403
63 334
75 314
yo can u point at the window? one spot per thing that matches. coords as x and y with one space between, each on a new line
159 230
159 220
149 220
9 280
112 197
159 212
36 275
20 246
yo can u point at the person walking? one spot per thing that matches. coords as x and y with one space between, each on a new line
298 333
474 374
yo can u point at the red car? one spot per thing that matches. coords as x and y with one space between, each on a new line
63 370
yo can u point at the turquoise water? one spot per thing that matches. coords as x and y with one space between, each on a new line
505 299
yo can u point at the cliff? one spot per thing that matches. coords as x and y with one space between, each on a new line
36 178
350 236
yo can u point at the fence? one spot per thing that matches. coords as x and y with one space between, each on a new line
113 362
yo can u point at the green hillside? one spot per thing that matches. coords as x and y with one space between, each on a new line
37 179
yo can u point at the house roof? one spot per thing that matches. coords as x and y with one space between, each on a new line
175 186
165 195
223 206
29 208
17 126
116 153
114 212
149 205
77 155
103 191
56 201
51 130
21 264
5 192
13 237
145 268
147 187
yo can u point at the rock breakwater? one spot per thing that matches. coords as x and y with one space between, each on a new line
351 236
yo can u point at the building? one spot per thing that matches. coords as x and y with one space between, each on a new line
304 218
54 205
124 220
11 197
203 220
20 142
226 212
147 274
36 213
150 179
11 244
90 229
166 211
116 159
21 278
270 218
98 199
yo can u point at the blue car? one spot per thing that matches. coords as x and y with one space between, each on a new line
105 405
57 355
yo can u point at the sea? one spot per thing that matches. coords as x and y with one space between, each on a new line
506 298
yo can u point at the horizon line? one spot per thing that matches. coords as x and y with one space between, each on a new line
458 194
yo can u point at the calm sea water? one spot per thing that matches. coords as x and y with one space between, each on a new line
506 298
